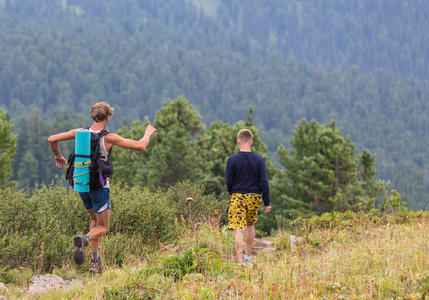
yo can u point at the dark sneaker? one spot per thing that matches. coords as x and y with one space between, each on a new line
80 241
96 266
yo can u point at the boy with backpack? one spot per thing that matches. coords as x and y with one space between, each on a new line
247 182
97 200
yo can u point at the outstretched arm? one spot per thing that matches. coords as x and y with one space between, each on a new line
60 161
140 145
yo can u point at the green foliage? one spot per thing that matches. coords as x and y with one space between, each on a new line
423 287
174 156
182 149
219 142
224 55
125 292
143 213
216 144
323 174
218 240
34 162
7 149
140 284
178 265
193 260
125 160
37 231
132 289
394 203
20 276
203 208
392 213
171 156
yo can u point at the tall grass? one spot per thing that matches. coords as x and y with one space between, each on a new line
374 262
363 255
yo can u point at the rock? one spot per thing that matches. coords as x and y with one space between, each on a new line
3 288
169 247
227 294
263 246
267 244
295 241
268 249
40 284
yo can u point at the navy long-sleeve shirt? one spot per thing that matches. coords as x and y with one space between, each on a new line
246 173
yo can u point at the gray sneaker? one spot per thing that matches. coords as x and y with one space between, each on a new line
80 241
247 260
96 266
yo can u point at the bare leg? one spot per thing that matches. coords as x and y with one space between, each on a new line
98 227
239 234
250 237
93 218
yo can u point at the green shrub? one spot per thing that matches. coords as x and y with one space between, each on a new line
143 213
37 231
120 248
194 260
395 213
19 276
219 240
138 286
394 203
203 207
132 290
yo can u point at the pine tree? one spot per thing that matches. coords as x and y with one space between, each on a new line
215 145
33 138
322 173
7 149
132 166
220 142
172 154
28 171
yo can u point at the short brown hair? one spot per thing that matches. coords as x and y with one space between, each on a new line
244 135
101 111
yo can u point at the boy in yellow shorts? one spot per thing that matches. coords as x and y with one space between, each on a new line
247 182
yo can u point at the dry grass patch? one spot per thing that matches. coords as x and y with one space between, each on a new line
367 261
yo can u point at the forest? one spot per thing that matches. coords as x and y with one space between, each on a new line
363 64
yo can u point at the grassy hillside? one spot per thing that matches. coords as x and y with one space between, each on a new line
342 256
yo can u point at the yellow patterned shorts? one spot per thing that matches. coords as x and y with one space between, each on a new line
243 210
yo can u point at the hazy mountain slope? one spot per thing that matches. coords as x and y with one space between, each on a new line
292 61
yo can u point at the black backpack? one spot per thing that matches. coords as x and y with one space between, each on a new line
99 169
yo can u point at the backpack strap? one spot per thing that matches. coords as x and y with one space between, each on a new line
83 164
101 134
